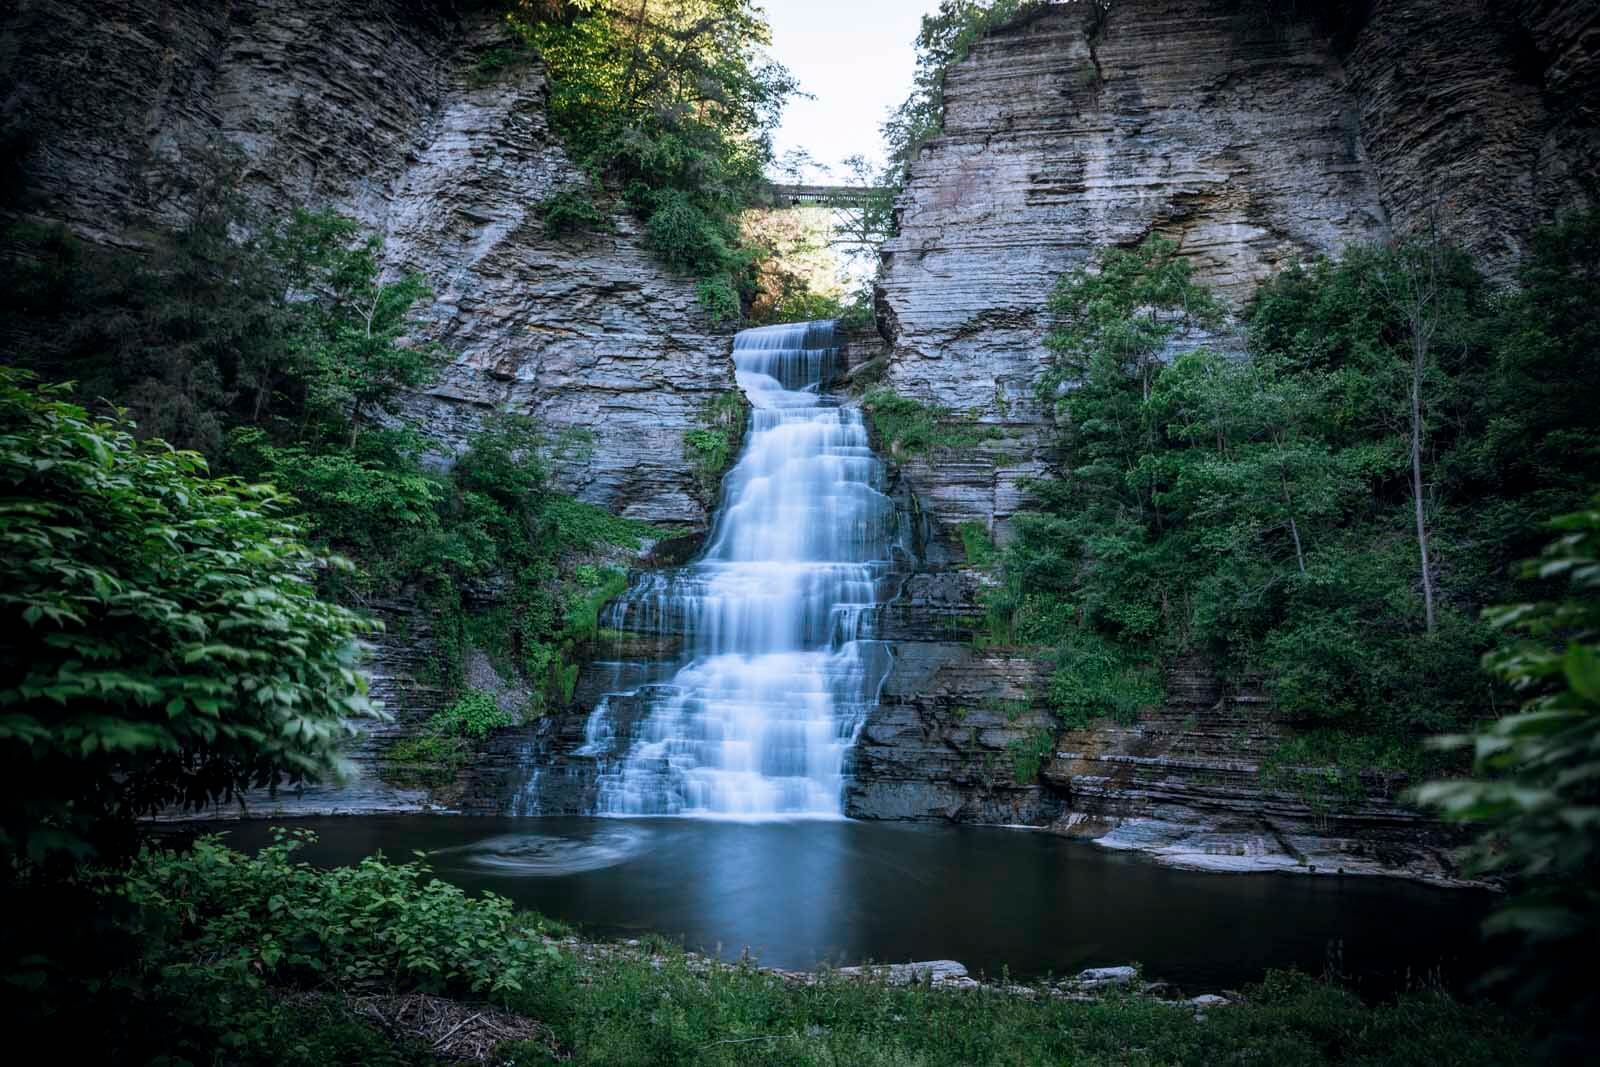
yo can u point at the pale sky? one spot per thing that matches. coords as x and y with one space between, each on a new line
856 57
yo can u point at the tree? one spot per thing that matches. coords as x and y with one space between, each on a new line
1256 464
863 218
1414 284
798 273
301 258
354 342
163 643
1113 320
670 104
1536 789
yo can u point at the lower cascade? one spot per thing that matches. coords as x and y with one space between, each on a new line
776 666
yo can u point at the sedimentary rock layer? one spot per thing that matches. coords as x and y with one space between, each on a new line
1249 132
384 111
1239 141
1252 133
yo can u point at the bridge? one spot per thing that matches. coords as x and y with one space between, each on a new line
826 195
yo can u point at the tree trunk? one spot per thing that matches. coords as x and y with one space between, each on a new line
1419 358
1294 528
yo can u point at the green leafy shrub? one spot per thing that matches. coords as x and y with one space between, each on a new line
1323 766
373 502
376 925
164 644
579 526
570 211
492 62
499 518
582 622
1029 753
1536 787
686 237
909 427
475 715
1095 677
714 444
719 295
442 746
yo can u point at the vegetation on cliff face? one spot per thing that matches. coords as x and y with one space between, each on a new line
668 106
1263 510
906 427
714 444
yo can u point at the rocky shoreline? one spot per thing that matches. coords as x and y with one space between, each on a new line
1089 984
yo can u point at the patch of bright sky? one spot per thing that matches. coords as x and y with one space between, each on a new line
856 57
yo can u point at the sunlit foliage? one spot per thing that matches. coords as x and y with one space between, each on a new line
668 105
799 274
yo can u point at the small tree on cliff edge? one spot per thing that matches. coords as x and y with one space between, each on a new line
162 642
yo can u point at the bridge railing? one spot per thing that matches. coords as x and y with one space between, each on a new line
798 195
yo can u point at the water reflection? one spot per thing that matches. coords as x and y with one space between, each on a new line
803 892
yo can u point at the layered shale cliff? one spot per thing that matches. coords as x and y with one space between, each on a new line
1252 133
385 110
390 112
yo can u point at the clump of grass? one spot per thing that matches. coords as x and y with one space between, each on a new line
714 443
909 427
435 754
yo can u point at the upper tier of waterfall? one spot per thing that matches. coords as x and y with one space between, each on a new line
777 670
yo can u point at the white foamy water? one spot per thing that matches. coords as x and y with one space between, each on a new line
778 669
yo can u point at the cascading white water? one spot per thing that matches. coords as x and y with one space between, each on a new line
778 671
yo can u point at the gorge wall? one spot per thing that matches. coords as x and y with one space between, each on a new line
1251 133
384 110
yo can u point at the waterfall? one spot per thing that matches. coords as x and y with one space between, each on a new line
777 667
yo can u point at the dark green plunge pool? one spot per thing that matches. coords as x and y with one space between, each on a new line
798 893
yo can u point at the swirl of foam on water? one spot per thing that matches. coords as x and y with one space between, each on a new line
544 855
